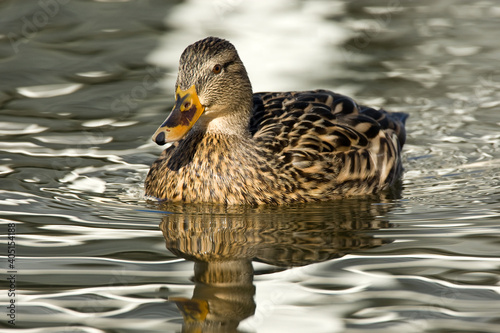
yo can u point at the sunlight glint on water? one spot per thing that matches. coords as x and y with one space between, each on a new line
82 92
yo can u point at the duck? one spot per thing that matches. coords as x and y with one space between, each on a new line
228 145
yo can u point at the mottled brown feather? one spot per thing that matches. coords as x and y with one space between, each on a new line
303 146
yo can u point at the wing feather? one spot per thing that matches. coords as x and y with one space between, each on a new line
326 136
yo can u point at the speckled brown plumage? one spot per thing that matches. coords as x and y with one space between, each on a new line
293 147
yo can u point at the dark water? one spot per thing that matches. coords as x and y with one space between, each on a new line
84 84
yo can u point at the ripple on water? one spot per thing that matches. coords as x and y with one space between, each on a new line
76 126
52 90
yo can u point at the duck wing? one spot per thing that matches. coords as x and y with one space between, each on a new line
323 138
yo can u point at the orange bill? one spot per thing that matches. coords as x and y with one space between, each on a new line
186 111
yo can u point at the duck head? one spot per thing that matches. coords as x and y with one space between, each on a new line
213 92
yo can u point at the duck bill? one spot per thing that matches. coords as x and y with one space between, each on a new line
186 111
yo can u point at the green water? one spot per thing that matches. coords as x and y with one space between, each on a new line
83 86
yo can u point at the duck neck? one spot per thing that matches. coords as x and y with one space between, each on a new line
231 123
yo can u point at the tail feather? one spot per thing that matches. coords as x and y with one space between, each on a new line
401 116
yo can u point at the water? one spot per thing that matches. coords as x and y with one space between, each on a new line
83 86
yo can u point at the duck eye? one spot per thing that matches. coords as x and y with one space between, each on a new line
217 69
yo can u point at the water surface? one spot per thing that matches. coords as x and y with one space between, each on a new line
83 86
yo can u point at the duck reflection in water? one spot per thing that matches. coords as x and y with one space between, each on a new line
223 240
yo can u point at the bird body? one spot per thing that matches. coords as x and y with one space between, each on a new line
235 147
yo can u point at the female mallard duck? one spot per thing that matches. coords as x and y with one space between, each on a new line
232 146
